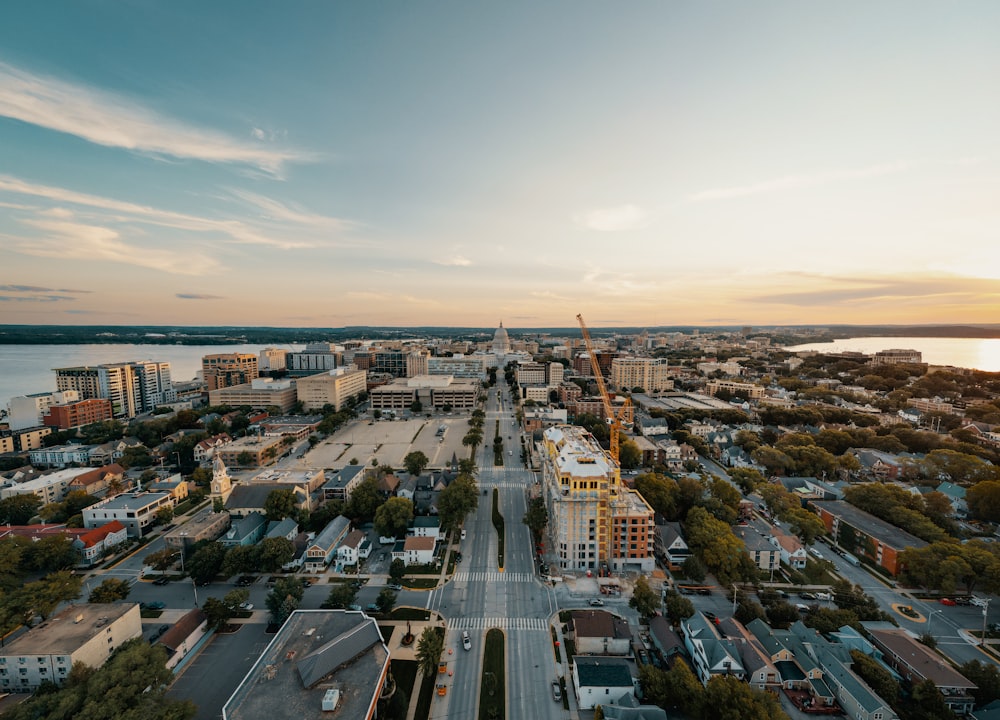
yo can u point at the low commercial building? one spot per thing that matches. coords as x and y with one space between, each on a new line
320 661
748 391
79 635
136 511
251 451
205 526
48 488
431 391
262 392
342 484
183 636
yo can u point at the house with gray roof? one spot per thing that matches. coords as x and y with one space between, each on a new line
245 531
760 671
286 528
628 708
321 550
956 496
342 484
601 680
709 652
670 546
247 498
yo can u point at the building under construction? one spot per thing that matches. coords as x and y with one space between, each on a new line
595 522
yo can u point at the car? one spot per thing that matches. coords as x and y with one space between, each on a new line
246 606
596 602
204 583
395 586
556 691
162 629
354 607
712 617
704 591
161 581
466 642
371 607
963 601
157 605
948 601
807 596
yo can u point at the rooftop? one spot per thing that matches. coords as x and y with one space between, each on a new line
593 671
873 526
64 633
130 501
579 455
314 651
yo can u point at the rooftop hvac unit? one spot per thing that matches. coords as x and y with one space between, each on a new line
331 699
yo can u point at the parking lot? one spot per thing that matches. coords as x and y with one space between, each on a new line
389 441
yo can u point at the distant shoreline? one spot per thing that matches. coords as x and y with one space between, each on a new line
235 335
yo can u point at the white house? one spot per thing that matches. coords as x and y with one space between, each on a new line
93 545
710 654
415 551
601 680
427 526
793 552
354 547
136 511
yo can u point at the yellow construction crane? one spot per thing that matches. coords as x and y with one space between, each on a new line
616 421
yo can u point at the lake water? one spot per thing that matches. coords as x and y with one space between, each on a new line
981 354
26 369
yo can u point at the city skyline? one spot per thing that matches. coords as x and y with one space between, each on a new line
654 164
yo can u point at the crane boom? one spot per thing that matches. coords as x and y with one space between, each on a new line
623 418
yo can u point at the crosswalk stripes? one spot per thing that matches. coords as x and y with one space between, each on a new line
504 623
505 485
485 576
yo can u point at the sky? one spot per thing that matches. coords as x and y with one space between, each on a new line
323 164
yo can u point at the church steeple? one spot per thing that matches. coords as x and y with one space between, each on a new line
222 485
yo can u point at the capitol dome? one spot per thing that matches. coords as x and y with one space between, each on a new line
501 343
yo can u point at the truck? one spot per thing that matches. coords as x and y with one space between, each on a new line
851 559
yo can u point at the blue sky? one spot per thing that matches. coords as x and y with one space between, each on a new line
456 163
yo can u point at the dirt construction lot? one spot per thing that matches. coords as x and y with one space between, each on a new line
389 441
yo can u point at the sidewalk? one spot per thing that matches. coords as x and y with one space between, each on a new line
563 668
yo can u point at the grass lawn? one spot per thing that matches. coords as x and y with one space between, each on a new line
420 583
493 692
410 613
147 613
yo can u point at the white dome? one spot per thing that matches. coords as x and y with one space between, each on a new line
501 343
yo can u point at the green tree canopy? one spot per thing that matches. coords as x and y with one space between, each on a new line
393 517
415 462
536 517
280 504
457 500
644 599
274 553
364 501
429 649
19 509
109 591
206 561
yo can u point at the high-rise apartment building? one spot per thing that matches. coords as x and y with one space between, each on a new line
595 521
272 359
27 410
132 387
650 374
228 369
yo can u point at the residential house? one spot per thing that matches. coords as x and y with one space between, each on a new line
112 451
601 681
755 537
245 531
670 546
321 550
415 550
628 708
877 464
956 495
247 498
388 484
760 670
665 639
709 653
426 526
286 528
597 632
792 551
99 479
136 511
205 450
175 484
343 483
354 547
93 544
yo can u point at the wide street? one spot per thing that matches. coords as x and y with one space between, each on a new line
480 596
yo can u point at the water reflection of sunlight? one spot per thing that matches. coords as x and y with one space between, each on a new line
989 355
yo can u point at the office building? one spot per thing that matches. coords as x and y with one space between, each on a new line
26 411
77 414
431 391
136 511
650 374
225 370
272 359
334 387
258 393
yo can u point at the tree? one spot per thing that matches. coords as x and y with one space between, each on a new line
245 459
206 561
684 689
274 553
284 598
415 462
713 541
986 678
429 649
240 559
280 504
386 600
536 517
218 613
55 552
694 568
876 676
630 456
392 518
678 607
643 599
660 492
747 478
19 509
364 501
164 515
162 559
456 501
109 591
983 500
927 703
341 596
731 699
236 597
805 524
397 569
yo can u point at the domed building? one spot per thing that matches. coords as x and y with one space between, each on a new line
501 343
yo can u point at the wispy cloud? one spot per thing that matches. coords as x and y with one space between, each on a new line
37 289
860 291
273 210
454 261
614 219
197 296
237 231
113 120
34 298
76 241
793 182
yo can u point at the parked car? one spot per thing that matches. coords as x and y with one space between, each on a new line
372 607
948 601
395 586
246 606
466 642
596 602
157 605
807 596
354 607
162 629
161 581
556 691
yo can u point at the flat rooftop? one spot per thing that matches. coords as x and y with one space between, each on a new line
682 401
130 501
274 689
64 633
579 454
868 523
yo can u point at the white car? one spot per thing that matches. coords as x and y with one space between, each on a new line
246 606
466 642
